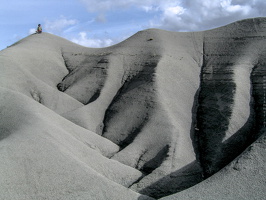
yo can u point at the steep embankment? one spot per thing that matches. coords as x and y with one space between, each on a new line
156 113
243 178
147 89
231 116
44 155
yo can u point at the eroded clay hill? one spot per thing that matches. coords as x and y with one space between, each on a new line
157 113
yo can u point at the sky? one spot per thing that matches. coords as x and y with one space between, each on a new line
101 23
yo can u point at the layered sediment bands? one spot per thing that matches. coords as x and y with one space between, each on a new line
136 103
215 107
231 93
154 114
87 74
134 100
182 106
209 106
258 79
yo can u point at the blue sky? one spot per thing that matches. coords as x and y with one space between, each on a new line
100 23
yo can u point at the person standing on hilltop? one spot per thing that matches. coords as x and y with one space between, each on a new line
39 29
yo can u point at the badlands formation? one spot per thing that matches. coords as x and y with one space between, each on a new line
161 115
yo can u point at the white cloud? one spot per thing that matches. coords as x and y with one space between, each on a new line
229 7
97 43
176 10
147 8
178 15
147 5
32 30
58 25
185 15
195 15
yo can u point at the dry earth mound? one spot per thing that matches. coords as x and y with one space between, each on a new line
146 118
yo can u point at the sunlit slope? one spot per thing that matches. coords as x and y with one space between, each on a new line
43 154
157 113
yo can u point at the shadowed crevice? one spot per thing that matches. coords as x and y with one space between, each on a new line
155 162
175 182
87 75
251 130
258 80
134 101
133 134
215 100
94 96
4 133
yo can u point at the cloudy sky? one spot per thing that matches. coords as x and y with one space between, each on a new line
99 23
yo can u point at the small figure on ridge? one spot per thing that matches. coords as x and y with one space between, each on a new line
39 29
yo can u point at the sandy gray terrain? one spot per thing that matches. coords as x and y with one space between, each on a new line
161 115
